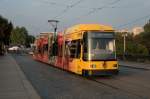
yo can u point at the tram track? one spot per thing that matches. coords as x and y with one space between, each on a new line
139 68
105 84
112 80
116 88
125 85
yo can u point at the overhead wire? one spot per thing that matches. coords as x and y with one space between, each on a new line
58 4
94 10
67 8
134 21
54 3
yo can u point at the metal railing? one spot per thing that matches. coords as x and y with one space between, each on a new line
136 58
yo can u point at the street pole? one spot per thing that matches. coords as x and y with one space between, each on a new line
54 25
124 48
124 44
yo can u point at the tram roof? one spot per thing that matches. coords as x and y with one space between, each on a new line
82 27
45 33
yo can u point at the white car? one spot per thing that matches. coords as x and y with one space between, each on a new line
31 53
14 48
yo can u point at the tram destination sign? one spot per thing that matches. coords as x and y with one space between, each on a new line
101 35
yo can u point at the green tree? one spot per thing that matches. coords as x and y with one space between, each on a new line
146 36
147 27
19 35
133 47
143 38
5 32
136 49
30 39
119 43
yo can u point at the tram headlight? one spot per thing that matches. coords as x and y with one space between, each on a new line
115 65
93 65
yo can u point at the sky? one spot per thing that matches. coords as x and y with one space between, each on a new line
34 14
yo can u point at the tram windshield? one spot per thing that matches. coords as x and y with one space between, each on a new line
98 46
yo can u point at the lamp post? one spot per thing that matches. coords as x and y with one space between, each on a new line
54 25
124 44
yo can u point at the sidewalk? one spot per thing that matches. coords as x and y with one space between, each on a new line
135 65
13 83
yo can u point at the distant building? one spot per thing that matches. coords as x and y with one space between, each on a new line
137 30
123 31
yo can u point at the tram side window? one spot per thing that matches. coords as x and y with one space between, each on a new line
39 50
78 49
85 44
75 49
46 47
42 50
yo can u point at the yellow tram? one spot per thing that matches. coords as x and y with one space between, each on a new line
84 49
91 49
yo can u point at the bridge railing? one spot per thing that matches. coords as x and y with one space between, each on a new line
136 58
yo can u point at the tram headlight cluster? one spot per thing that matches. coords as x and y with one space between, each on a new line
115 65
93 65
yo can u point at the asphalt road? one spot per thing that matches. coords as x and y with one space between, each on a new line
53 83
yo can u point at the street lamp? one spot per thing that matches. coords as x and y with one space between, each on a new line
124 44
54 46
54 25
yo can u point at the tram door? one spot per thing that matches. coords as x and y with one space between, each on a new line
73 51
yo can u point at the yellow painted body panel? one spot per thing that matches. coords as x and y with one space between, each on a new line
98 65
74 66
74 36
76 32
77 65
87 27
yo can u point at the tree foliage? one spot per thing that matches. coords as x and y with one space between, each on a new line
147 27
132 46
30 39
20 36
144 37
135 45
5 30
